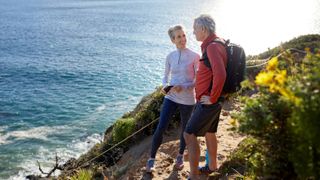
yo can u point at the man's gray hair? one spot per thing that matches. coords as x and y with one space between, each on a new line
173 29
207 22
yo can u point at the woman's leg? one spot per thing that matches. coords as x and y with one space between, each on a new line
168 109
185 114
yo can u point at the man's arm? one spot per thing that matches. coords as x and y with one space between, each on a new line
217 57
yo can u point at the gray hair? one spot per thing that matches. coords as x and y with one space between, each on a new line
173 29
207 22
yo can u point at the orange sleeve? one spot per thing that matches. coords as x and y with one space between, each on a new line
218 58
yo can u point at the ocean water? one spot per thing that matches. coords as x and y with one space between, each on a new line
70 68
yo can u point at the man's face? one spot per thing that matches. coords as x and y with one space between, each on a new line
180 39
198 32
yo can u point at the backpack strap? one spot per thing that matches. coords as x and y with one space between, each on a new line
221 41
205 58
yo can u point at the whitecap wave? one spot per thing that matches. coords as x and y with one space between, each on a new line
3 137
3 128
46 157
33 133
101 108
83 146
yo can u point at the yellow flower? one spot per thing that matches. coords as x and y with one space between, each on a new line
281 77
233 122
272 64
307 49
273 88
284 92
264 78
290 96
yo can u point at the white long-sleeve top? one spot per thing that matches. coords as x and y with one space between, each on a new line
180 69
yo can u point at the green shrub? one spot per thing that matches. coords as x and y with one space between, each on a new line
284 117
304 122
123 128
247 159
82 175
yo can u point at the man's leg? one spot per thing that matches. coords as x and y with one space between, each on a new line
212 146
194 154
211 139
198 125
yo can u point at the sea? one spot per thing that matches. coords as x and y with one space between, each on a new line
70 68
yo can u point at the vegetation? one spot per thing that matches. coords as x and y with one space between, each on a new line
311 41
257 62
123 128
284 118
82 175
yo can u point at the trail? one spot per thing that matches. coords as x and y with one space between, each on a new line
132 164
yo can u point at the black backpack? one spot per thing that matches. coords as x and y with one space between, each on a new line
236 65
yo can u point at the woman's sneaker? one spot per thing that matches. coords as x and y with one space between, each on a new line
150 165
179 162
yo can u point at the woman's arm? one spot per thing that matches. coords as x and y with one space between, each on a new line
165 78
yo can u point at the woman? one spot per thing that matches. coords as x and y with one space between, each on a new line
180 70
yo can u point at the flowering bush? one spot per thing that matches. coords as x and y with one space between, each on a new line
285 116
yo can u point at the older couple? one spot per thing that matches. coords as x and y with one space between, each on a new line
196 91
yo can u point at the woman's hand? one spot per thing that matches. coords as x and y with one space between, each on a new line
166 89
205 100
163 91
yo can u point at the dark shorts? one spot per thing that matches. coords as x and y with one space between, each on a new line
205 118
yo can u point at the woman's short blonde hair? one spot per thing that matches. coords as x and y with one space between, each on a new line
173 29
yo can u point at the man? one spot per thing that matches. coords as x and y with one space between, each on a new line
209 85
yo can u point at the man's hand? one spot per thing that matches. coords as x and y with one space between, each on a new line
205 100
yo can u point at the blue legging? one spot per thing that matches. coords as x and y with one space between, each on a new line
168 110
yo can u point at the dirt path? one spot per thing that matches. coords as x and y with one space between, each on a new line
132 164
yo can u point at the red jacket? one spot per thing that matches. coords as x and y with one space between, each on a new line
218 59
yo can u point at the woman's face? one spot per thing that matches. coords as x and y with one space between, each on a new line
180 39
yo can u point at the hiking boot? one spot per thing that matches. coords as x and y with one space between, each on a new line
150 165
179 162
